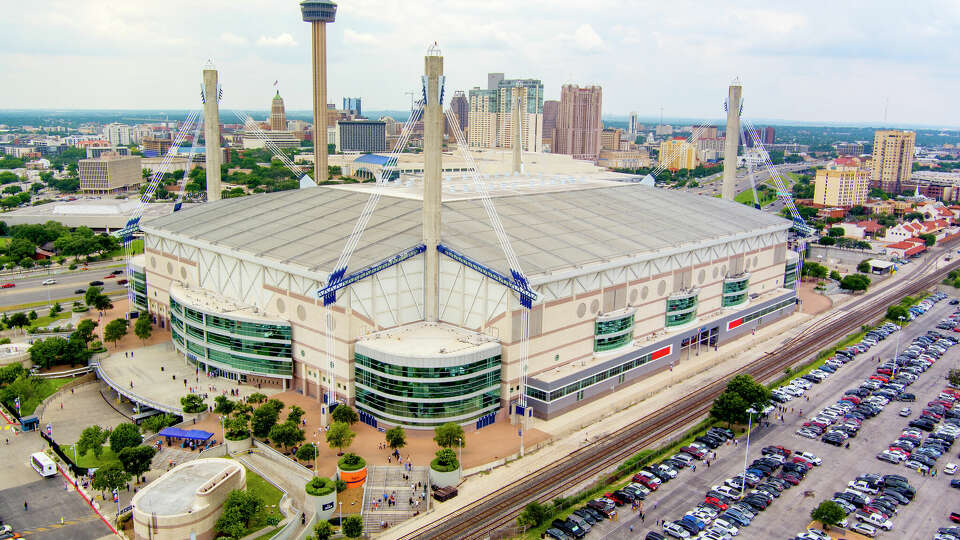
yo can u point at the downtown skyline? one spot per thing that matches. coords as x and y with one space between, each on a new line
797 63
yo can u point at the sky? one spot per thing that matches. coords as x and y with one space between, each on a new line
809 61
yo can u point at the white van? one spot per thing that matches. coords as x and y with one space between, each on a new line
43 464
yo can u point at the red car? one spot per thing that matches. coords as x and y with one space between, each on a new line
716 502
852 399
121 282
955 517
942 402
695 452
8 285
618 500
884 371
789 478
648 480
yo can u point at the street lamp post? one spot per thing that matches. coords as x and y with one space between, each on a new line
460 459
340 515
897 357
746 451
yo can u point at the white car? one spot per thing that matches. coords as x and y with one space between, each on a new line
726 526
675 530
818 534
49 282
950 468
877 521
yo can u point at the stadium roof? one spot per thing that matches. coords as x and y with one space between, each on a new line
551 231
373 158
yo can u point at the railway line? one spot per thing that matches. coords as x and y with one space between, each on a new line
500 508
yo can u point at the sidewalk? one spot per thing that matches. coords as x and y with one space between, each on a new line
288 477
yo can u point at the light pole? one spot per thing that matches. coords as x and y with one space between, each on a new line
746 451
897 357
340 515
460 459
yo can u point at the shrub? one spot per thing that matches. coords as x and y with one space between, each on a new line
318 486
445 461
351 462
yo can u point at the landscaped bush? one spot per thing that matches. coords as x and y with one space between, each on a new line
351 462
445 461
318 486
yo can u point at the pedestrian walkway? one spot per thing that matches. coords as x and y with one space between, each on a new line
393 495
289 477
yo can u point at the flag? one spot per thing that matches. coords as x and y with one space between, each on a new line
16 403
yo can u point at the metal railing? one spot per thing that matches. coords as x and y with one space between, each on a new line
132 396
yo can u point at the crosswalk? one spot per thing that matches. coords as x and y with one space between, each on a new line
55 526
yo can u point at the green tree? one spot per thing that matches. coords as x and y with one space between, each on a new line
894 313
264 418
287 434
835 231
91 294
115 330
864 266
32 315
928 239
256 398
92 438
447 435
295 414
396 437
223 405
828 513
814 270
238 509
136 460
834 275
954 377
102 303
55 308
345 414
352 526
340 436
125 435
84 331
110 477
910 216
142 327
19 320
855 282
307 452
533 515
827 241
192 403
728 407
742 393
445 460
323 530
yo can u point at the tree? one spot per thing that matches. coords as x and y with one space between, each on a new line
345 414
323 530
142 327
728 407
32 315
533 515
124 436
827 241
954 377
396 437
340 436
192 403
264 418
256 397
238 509
91 294
445 460
110 477
828 513
92 438
835 231
287 434
102 303
19 320
448 435
895 313
834 275
864 266
55 308
307 452
352 526
928 239
814 270
296 414
223 405
855 282
115 330
742 393
136 459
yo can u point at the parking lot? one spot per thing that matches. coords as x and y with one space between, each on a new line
789 514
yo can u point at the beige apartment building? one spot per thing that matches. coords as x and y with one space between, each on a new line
678 154
110 173
892 159
841 187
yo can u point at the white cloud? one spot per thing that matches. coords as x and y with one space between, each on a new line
282 40
232 39
359 38
587 38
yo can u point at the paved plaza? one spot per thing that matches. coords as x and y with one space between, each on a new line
158 373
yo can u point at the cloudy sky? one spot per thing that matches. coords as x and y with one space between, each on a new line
803 61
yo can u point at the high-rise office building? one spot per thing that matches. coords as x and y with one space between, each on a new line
551 109
892 159
490 114
578 122
494 80
353 106
109 173
634 126
361 136
278 115
610 138
118 134
461 107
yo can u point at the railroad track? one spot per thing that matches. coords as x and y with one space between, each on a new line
501 507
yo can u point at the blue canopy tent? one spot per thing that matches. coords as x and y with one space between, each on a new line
189 434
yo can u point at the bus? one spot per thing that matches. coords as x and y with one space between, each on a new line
43 464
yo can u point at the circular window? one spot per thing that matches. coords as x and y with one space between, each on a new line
301 313
170 268
153 262
644 292
595 306
702 276
581 310
633 296
661 288
183 272
281 307
715 272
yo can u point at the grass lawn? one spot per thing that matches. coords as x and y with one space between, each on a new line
89 460
764 196
45 389
47 319
5 241
270 496
137 249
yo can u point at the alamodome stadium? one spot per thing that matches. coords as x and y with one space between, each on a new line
431 321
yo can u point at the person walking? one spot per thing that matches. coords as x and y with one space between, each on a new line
25 508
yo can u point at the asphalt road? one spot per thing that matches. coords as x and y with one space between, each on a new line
710 185
28 289
790 513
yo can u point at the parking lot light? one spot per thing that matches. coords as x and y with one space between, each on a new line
746 451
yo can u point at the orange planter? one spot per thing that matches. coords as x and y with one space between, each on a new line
353 478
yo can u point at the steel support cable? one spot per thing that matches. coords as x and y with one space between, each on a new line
165 163
251 125
694 137
186 170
